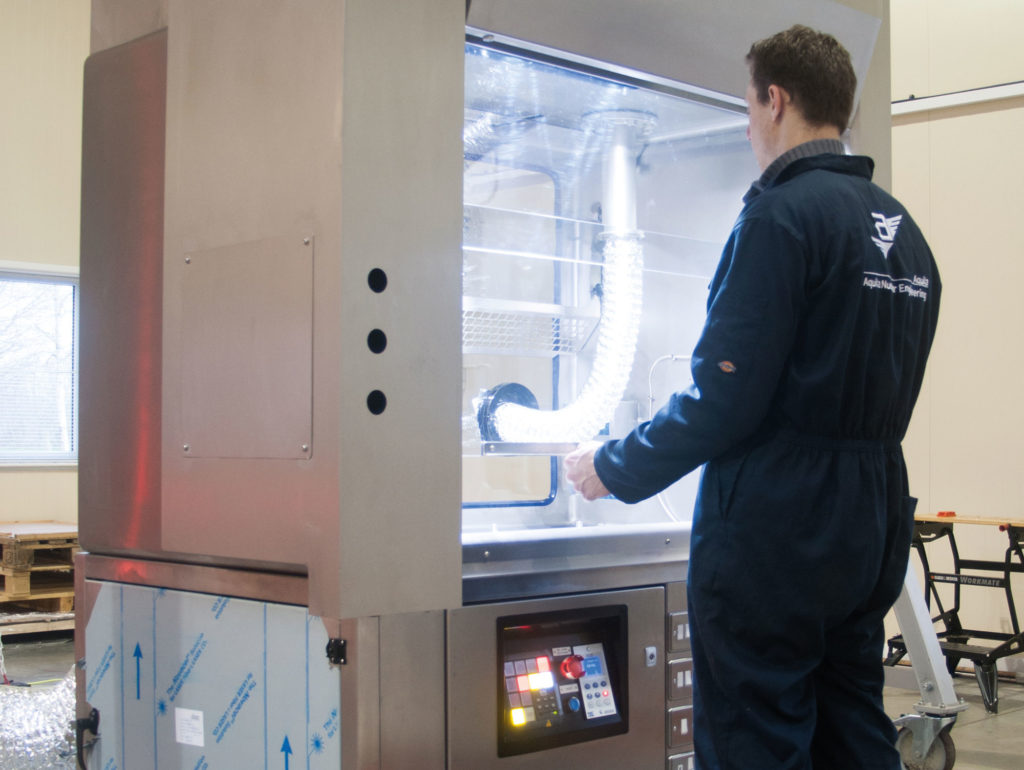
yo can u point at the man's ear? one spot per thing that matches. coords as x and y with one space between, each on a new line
778 101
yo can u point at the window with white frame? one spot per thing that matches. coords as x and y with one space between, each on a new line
38 368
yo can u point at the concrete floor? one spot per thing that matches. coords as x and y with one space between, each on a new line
983 741
39 659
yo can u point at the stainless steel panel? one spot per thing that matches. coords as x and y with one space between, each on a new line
392 690
119 473
472 699
402 213
675 596
247 350
275 130
412 682
241 583
686 41
502 566
360 692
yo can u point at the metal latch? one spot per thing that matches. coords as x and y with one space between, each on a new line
337 651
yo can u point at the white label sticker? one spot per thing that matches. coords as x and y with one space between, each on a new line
188 727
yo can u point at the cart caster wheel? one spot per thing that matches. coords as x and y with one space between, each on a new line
941 755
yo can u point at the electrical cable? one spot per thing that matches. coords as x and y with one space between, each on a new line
662 501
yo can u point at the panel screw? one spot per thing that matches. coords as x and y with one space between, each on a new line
305 447
188 260
305 241
186 447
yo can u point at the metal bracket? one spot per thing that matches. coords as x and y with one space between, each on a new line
337 651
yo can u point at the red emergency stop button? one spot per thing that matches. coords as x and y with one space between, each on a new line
572 667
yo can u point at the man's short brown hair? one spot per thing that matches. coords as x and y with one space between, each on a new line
812 67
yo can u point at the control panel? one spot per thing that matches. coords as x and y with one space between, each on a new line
563 678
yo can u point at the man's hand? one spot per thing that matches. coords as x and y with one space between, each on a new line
580 473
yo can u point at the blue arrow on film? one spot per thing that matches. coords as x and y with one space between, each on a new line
286 749
138 671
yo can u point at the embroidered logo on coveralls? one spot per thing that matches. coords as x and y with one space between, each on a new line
886 228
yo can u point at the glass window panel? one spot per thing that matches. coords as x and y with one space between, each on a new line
38 369
545 236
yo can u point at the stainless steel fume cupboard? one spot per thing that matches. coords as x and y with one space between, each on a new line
352 274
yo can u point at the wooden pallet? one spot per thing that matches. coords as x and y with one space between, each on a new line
36 587
37 565
42 544
15 623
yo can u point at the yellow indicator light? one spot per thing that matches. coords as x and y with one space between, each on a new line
518 717
542 681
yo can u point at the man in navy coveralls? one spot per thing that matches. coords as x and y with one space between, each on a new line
820 318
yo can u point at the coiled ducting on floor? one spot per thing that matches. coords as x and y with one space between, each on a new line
37 726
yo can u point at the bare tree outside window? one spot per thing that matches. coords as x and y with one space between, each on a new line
38 369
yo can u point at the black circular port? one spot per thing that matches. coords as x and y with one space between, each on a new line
490 400
376 402
377 341
377 279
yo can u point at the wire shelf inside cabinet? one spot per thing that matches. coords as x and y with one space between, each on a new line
515 328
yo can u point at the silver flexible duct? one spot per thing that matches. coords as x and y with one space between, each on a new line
37 726
622 286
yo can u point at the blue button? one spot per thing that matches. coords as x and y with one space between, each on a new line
574 704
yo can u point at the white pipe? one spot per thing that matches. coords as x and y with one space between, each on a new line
618 207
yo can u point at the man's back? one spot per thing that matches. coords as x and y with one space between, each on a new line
870 300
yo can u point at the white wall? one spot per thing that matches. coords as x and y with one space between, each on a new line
43 45
959 172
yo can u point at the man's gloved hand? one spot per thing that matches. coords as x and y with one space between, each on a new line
580 473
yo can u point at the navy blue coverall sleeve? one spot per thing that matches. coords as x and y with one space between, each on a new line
753 311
